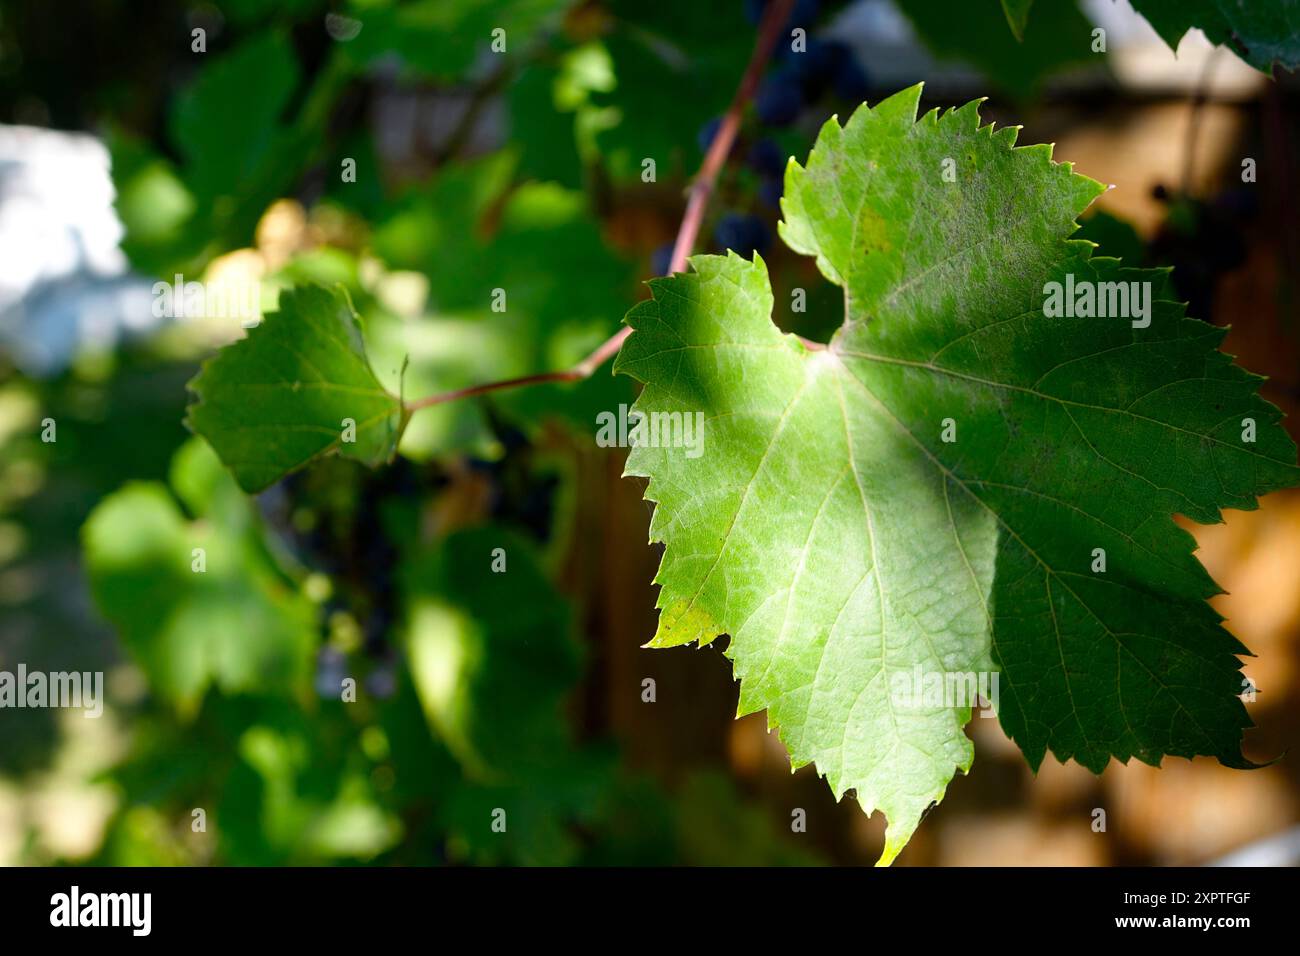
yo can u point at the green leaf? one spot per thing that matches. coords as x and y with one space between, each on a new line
847 548
442 38
492 652
1114 236
1017 12
664 52
493 658
1059 37
1262 34
227 124
298 387
544 133
236 623
237 153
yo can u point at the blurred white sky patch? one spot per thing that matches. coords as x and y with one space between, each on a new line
65 284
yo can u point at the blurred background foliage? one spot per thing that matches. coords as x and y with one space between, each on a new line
129 156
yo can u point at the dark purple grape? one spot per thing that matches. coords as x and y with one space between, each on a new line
766 158
770 190
381 682
814 68
743 234
850 80
535 506
779 100
1241 203
483 466
329 672
704 138
662 259
375 631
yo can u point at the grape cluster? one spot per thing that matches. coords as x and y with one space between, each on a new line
521 493
335 519
798 79
354 525
801 77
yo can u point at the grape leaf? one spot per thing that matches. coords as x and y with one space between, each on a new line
236 623
1017 12
665 53
492 652
288 392
227 123
826 525
443 38
1260 33
493 659
1058 37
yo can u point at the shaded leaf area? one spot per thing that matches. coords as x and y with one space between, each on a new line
472 232
298 387
492 657
183 576
1056 37
493 663
443 39
926 496
1262 34
247 128
665 53
237 148
470 758
542 127
109 431
1114 237
1017 12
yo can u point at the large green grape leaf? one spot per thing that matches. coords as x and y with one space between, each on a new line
851 552
299 386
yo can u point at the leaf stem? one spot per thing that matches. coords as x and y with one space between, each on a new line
775 17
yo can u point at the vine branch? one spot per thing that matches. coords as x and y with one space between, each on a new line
775 16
